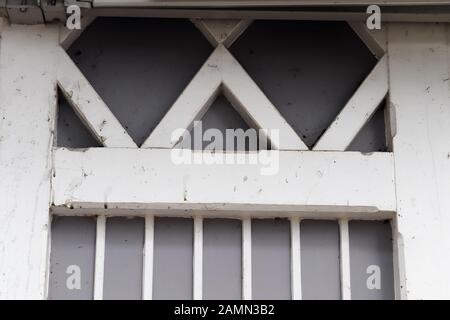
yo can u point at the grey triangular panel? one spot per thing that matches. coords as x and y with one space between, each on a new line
71 132
372 137
222 116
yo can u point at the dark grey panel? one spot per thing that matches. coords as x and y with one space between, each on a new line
309 70
271 259
222 259
222 115
72 258
173 254
320 260
371 263
140 66
372 136
123 258
72 133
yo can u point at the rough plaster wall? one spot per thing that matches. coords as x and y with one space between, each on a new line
139 67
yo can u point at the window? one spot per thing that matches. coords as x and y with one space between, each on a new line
280 255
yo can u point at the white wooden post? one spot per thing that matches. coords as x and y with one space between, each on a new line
198 259
147 286
247 259
346 291
100 246
420 100
296 273
27 114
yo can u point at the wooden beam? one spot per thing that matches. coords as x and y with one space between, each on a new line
344 256
27 118
258 3
253 105
420 98
258 14
100 245
222 72
358 110
247 259
89 105
198 259
147 285
149 179
296 260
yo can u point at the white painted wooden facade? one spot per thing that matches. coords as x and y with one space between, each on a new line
411 182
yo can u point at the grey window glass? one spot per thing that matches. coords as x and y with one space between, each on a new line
222 261
123 258
371 264
319 241
173 254
72 258
271 262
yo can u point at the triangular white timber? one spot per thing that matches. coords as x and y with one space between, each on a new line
222 71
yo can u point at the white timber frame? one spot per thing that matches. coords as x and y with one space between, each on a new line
407 185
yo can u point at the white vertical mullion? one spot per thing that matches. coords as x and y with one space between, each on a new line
198 259
346 293
247 259
99 257
147 285
296 274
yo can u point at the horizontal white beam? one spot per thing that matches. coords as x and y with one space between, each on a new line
257 3
148 178
260 14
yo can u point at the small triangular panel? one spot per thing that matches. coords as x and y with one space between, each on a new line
220 117
71 132
372 137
